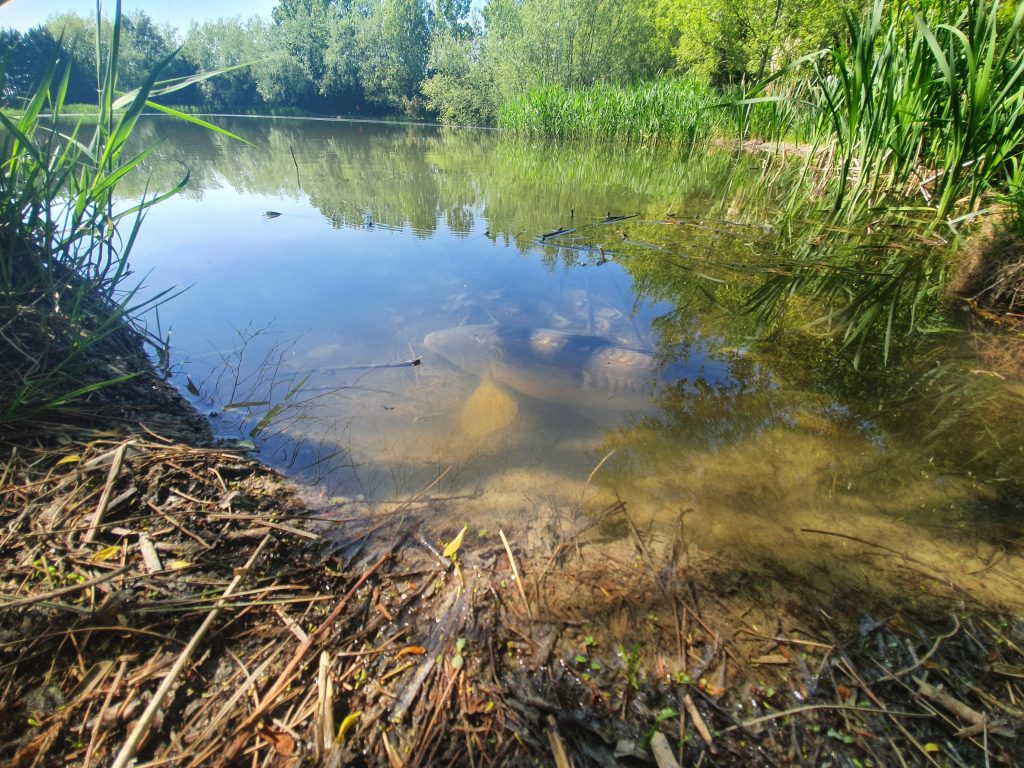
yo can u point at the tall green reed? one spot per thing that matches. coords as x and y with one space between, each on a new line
923 104
65 239
676 111
920 114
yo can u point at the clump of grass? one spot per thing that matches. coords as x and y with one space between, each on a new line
919 115
676 112
783 113
65 239
920 104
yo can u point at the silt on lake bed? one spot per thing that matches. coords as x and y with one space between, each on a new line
608 370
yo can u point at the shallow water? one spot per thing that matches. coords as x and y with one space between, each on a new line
774 454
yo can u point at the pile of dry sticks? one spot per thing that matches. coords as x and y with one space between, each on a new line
164 604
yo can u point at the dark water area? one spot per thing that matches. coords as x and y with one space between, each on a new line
545 328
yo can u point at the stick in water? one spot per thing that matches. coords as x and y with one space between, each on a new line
515 573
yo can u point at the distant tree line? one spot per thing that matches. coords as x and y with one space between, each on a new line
432 58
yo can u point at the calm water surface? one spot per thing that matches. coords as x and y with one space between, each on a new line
389 233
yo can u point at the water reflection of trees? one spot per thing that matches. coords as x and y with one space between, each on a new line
417 177
935 420
691 258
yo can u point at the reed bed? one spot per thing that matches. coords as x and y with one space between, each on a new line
922 105
919 124
677 112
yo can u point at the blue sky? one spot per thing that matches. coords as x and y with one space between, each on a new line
22 14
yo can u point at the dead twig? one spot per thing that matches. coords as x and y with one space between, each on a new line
923 659
515 573
101 508
662 751
557 747
284 678
951 704
699 724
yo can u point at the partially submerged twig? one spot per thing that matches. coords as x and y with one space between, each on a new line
515 573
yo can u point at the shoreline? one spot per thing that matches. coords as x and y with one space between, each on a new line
126 544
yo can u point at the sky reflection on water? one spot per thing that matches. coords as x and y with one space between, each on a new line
389 233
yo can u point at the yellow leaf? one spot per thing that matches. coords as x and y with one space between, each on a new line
347 723
106 553
454 544
175 565
73 458
417 650
931 746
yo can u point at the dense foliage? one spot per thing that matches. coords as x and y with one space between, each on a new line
434 57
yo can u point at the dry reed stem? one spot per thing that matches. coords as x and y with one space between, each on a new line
515 573
101 508
699 724
662 751
557 747
286 675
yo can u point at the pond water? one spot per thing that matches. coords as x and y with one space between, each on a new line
528 332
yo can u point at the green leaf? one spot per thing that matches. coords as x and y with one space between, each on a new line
246 404
197 121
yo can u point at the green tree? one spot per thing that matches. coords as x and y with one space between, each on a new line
143 46
449 17
24 62
222 44
735 40
393 40
313 55
459 88
572 43
78 37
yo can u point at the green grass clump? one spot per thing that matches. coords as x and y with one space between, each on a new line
923 103
677 112
65 239
918 117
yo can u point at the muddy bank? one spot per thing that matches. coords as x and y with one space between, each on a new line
175 602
